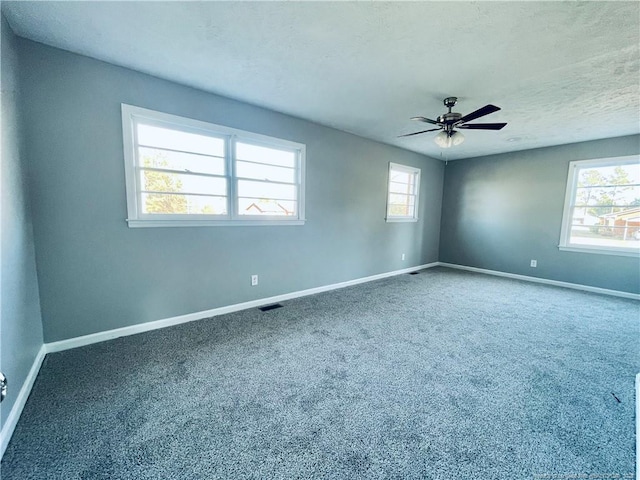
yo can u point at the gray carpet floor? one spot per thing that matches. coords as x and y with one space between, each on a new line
442 375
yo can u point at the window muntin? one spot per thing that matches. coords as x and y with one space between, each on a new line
181 161
186 172
602 206
402 193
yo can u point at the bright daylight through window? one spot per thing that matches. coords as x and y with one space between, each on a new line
402 198
182 172
602 207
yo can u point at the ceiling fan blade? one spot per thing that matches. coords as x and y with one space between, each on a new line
416 133
425 120
483 126
481 112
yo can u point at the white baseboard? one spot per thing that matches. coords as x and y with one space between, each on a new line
168 322
190 317
12 420
14 415
23 395
575 286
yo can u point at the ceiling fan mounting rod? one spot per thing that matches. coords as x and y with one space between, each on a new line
450 102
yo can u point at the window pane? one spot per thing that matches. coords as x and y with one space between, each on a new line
261 171
167 204
610 175
189 172
153 136
611 195
401 210
607 211
252 206
402 192
247 188
603 211
184 162
154 181
402 177
606 236
272 156
401 187
398 199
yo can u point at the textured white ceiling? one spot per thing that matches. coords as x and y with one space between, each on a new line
562 72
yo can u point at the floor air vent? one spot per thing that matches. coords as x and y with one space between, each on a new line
266 308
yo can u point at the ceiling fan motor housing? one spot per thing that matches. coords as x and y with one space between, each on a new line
449 118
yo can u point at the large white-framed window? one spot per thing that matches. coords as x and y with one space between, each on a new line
185 172
602 207
402 193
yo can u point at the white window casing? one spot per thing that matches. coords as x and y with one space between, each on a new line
602 207
403 189
185 172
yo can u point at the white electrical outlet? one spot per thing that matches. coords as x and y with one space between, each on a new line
254 280
403 256
534 263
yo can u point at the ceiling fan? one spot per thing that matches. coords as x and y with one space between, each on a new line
450 121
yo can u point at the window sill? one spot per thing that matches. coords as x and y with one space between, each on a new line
601 251
401 220
212 223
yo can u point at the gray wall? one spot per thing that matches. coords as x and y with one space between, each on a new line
501 211
97 274
20 321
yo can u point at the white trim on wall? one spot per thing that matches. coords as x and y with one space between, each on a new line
557 283
12 420
16 411
135 117
414 172
18 406
190 317
569 204
168 322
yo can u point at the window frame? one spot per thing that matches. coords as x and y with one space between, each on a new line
389 218
135 216
569 202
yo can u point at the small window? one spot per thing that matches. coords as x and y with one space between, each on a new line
602 207
402 196
183 172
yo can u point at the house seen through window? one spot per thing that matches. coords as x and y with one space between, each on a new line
602 209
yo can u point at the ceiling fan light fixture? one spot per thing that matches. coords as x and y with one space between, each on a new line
448 139
442 140
457 138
